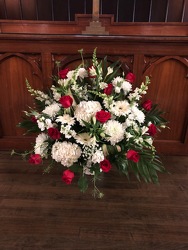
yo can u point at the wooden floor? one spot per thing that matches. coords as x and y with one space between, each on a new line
40 212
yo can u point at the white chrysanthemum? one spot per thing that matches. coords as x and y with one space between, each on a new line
82 73
138 114
85 139
120 108
41 145
86 110
126 86
66 119
114 130
97 157
66 152
52 109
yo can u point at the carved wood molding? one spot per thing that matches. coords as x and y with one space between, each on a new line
83 20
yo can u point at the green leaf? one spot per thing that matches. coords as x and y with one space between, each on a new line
83 183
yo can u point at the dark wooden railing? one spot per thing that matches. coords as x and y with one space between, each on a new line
123 10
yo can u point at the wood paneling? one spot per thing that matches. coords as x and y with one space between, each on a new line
164 58
15 68
169 89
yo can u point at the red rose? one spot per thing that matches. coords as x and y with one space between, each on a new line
67 176
105 165
34 119
152 130
103 116
35 159
108 89
54 133
130 77
66 101
147 105
133 155
63 73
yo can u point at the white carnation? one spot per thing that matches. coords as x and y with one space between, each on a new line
114 130
126 86
82 73
66 152
138 114
70 74
52 109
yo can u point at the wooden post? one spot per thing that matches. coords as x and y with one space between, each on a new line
95 12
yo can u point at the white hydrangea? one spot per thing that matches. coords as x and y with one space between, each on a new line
66 152
86 110
114 130
52 109
41 145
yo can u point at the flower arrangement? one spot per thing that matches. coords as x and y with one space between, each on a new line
93 119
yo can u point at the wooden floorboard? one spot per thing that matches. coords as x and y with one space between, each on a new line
40 212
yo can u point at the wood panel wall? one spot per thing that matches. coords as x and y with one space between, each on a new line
33 56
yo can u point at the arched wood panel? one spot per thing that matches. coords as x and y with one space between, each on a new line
169 88
14 97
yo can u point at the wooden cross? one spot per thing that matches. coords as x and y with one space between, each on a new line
95 12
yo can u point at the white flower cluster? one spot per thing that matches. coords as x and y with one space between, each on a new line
78 137
66 153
